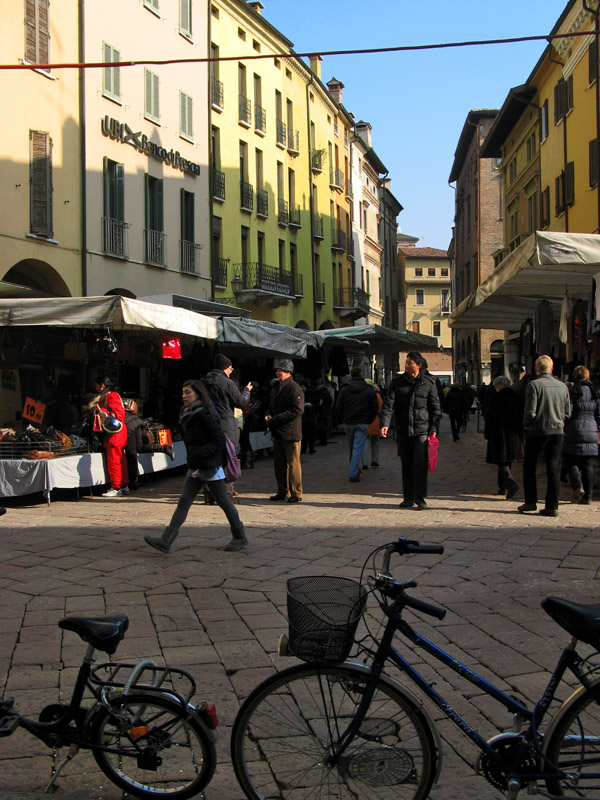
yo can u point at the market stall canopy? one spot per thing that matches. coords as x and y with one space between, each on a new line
384 340
258 337
118 313
545 266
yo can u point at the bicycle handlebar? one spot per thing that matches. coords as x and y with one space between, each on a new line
397 590
422 605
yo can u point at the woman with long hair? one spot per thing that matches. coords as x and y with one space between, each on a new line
580 444
205 447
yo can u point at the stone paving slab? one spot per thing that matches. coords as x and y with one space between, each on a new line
220 614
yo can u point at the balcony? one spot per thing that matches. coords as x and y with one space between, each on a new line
245 111
294 221
351 248
247 196
280 135
440 310
317 157
262 284
349 191
283 214
218 185
336 179
317 221
188 256
351 302
262 203
155 248
219 272
293 142
298 285
319 292
260 120
115 240
338 240
216 94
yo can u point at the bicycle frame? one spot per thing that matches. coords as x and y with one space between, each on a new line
568 660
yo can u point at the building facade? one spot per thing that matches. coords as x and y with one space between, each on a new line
477 240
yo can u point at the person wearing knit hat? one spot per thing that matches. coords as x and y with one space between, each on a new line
284 419
226 396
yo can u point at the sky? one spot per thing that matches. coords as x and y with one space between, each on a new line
417 102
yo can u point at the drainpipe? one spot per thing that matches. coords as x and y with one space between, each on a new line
597 87
311 205
82 135
211 255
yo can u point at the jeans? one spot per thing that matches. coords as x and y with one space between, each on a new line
357 436
551 447
413 454
374 440
191 487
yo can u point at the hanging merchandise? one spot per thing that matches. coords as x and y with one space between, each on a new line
171 347
543 327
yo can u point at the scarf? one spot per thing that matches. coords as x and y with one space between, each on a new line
188 411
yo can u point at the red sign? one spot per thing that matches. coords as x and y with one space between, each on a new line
33 410
164 437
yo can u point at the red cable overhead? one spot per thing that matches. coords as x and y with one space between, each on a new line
363 51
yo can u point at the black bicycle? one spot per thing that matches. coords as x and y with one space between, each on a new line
142 729
348 731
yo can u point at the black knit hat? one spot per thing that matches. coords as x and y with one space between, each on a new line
222 362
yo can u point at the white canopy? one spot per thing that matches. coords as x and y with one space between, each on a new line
544 266
120 313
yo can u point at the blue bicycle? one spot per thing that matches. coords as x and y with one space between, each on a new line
347 731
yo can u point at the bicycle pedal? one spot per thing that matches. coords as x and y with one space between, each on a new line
8 724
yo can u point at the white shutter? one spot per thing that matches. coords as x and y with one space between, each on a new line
186 109
151 89
185 16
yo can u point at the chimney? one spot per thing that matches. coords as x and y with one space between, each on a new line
256 5
363 129
315 65
335 90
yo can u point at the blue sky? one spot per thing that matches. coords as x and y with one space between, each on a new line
417 102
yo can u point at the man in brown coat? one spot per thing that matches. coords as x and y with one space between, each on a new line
284 419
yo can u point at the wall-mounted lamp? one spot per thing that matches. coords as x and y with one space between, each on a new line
237 284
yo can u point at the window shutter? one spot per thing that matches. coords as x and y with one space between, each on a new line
37 33
593 61
43 32
106 184
116 73
107 72
120 192
594 162
156 107
147 202
148 91
185 16
190 115
570 184
158 213
40 183
30 32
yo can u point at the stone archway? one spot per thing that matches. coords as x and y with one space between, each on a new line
326 326
37 275
302 325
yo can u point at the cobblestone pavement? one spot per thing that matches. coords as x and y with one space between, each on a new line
220 614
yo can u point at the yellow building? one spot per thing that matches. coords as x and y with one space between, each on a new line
40 148
280 162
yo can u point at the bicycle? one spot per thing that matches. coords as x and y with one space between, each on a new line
347 730
145 735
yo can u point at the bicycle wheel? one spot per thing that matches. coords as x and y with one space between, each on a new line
574 747
284 731
152 747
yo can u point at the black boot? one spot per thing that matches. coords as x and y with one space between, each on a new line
164 542
238 541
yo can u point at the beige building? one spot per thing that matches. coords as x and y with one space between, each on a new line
40 148
146 150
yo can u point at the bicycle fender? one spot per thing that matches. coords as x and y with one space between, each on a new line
565 706
411 699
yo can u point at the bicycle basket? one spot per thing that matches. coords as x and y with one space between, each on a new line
323 614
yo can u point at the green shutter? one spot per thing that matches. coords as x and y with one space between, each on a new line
594 162
570 184
40 183
120 192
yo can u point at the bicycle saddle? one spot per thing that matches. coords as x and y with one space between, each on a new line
581 621
103 633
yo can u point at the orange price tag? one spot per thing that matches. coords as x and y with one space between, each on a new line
164 437
33 410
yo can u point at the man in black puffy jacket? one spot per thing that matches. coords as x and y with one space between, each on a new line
284 418
357 407
414 400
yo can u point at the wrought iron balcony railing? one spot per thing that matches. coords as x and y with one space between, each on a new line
262 203
260 119
155 248
349 192
319 292
317 157
115 240
219 272
293 141
280 133
336 179
317 220
218 184
294 215
188 256
338 239
351 297
217 98
247 196
267 278
245 111
283 214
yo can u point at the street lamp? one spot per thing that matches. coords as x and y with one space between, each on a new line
237 284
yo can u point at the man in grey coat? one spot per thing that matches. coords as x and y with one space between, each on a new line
547 407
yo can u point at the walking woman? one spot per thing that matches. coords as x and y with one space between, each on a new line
504 433
205 446
580 444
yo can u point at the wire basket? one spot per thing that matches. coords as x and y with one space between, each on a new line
323 614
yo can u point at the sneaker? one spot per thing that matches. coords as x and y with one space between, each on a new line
112 493
577 494
124 491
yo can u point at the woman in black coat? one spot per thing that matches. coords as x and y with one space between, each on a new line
580 443
504 433
206 454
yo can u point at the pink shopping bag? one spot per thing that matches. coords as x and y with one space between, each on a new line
432 452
